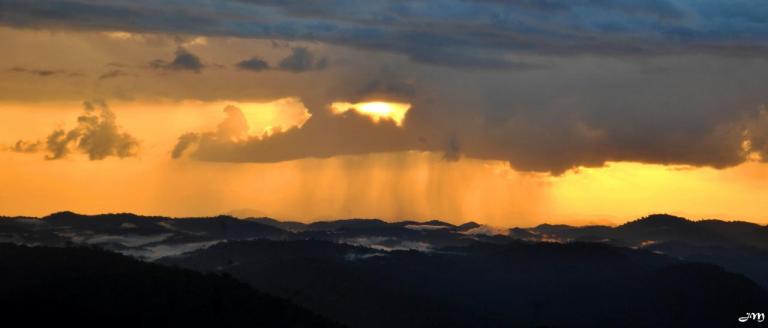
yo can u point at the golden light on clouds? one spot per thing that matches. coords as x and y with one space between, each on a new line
270 117
376 110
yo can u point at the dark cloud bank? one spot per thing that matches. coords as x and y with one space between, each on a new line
528 145
451 32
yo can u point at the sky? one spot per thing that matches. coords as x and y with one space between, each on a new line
510 113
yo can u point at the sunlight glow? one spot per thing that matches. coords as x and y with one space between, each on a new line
266 118
376 110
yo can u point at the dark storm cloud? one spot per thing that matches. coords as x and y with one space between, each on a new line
455 33
756 134
184 61
527 145
321 136
96 135
657 117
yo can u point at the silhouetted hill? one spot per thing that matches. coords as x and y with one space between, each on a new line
364 225
285 225
468 226
667 227
516 284
744 232
430 223
222 226
143 236
155 237
739 247
85 287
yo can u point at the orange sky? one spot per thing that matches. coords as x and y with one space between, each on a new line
402 185
427 141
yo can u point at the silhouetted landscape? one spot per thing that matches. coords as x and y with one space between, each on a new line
657 271
384 163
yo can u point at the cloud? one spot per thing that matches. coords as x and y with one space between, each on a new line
184 61
386 88
654 8
43 72
253 64
96 135
234 128
544 143
112 74
301 60
456 33
22 146
543 85
321 136
185 141
755 135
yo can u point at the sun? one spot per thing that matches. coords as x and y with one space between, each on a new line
376 110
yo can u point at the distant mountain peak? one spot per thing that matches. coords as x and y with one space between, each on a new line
664 216
62 214
659 219
469 225
436 223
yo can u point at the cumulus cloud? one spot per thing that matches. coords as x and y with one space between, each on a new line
184 61
321 136
23 146
233 129
96 135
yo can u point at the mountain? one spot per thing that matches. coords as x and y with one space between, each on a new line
142 236
155 237
657 271
468 226
736 246
741 247
661 228
90 287
517 284
292 226
667 227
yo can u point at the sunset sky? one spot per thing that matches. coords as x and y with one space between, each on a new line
510 113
